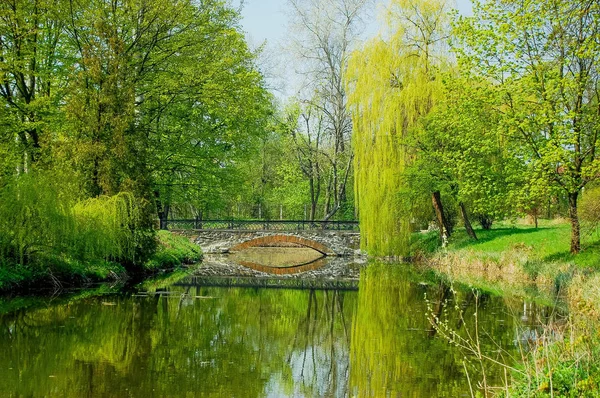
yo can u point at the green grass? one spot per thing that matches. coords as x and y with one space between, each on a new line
512 259
173 251
548 243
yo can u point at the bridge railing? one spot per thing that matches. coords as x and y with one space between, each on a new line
261 225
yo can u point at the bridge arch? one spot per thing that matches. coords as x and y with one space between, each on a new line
276 240
294 269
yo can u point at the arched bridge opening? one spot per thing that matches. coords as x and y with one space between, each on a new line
283 240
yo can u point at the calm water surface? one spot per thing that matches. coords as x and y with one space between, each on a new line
197 341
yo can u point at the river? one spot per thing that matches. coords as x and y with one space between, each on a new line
372 336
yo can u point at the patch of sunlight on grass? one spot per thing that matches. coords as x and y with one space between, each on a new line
550 243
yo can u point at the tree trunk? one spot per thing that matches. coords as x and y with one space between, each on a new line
162 211
466 221
574 218
313 200
441 217
164 216
313 210
486 222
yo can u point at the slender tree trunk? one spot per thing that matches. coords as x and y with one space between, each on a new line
340 195
313 202
574 218
328 194
162 211
443 223
164 216
465 217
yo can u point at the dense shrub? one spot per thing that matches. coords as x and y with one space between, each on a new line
173 251
589 208
41 219
564 362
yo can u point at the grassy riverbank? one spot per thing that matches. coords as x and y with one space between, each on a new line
510 256
518 259
172 252
548 243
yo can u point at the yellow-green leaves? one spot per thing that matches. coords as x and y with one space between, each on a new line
393 82
541 58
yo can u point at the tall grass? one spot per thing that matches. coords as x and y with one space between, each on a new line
559 357
42 218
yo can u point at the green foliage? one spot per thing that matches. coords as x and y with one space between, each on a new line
41 218
207 114
110 114
173 251
461 152
562 363
393 82
157 99
107 227
542 59
48 234
273 177
11 276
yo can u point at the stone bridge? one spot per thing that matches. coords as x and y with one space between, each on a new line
328 242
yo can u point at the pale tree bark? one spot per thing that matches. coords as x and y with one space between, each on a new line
326 32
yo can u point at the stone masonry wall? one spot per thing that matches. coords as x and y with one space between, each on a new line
339 243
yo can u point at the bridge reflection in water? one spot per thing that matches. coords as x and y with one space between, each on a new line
280 260
276 267
221 342
269 282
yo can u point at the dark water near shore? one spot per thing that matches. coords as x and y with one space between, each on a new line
190 341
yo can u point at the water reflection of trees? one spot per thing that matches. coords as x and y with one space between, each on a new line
319 357
395 351
254 342
242 342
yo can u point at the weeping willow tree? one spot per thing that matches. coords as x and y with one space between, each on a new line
41 221
394 81
107 227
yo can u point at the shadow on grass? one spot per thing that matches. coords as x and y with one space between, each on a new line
488 235
424 243
588 257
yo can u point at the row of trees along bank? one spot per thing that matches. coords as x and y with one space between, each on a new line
111 112
493 115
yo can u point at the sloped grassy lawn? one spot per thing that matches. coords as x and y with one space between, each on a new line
549 243
173 251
